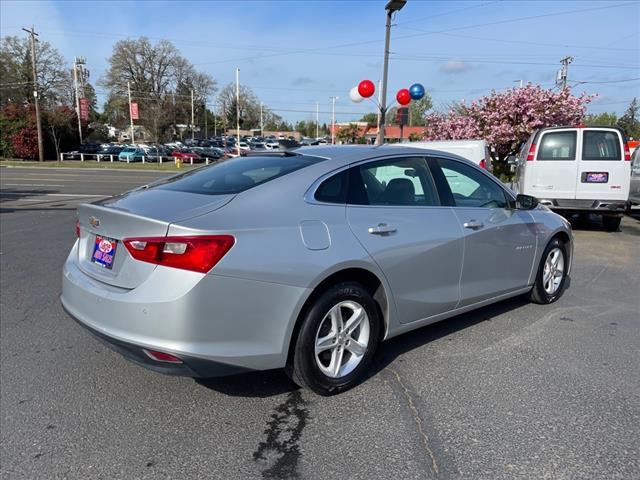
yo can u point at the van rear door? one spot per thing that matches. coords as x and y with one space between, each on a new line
603 174
551 171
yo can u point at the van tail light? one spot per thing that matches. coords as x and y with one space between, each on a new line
532 153
627 153
195 253
78 228
483 164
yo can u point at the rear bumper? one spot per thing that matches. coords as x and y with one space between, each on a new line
216 325
191 366
596 206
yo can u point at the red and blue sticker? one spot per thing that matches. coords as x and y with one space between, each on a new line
104 251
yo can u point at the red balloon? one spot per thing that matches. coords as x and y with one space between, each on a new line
366 88
403 96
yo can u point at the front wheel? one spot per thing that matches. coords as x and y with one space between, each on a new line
611 224
552 274
337 340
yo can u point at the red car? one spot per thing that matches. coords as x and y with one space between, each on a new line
186 155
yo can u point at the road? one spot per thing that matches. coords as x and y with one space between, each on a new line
514 390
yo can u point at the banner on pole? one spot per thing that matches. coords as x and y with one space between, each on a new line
84 109
134 111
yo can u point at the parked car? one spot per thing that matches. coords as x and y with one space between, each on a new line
476 151
186 155
109 152
305 261
583 170
152 153
128 153
634 186
212 154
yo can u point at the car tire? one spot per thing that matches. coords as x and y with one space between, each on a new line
347 350
611 224
552 273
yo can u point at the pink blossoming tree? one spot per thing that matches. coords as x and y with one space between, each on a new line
506 119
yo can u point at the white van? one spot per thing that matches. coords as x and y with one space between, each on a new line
577 170
476 151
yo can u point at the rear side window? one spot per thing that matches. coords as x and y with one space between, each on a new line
398 182
237 175
558 146
333 189
601 145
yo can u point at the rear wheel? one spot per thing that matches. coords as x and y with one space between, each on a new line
552 274
337 340
610 223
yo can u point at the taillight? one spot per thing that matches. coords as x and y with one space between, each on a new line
195 253
532 153
78 228
627 153
161 356
483 164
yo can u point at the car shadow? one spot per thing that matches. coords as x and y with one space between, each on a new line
276 382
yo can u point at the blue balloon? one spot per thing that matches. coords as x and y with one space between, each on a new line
417 91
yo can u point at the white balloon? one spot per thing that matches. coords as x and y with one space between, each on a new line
355 95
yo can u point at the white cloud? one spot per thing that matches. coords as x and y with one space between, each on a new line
455 66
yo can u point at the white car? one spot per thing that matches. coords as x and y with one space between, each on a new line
577 170
476 151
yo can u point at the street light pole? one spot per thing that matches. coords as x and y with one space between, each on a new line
317 120
238 107
333 120
391 7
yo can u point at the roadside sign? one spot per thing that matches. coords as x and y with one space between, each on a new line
84 109
134 111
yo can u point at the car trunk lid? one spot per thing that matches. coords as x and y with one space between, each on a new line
141 213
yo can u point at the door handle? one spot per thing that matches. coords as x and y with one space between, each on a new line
382 229
473 224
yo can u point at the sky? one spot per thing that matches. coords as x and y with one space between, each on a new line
294 54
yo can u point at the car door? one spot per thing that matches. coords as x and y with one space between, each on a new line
394 211
603 174
553 172
634 193
499 241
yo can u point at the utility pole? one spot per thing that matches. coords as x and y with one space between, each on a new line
391 7
215 124
333 119
317 120
206 133
238 107
77 64
261 122
192 118
130 113
34 70
563 73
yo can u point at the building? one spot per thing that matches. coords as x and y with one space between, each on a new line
392 133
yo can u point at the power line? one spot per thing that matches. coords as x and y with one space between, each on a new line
581 82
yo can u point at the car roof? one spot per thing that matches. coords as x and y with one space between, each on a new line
344 154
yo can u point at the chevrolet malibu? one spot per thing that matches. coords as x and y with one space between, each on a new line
305 261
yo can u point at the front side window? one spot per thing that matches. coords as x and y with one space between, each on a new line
558 146
398 181
601 145
469 187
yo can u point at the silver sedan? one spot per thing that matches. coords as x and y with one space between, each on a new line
305 261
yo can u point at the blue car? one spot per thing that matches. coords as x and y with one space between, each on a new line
128 153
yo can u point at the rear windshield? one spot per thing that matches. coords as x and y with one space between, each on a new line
237 175
601 145
558 146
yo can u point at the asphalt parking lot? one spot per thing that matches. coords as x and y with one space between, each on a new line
514 390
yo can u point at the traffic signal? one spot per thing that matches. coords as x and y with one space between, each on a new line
403 115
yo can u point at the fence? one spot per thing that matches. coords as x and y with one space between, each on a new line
110 158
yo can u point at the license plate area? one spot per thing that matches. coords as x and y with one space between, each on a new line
595 177
104 251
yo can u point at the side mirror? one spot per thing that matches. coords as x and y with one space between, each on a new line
512 160
526 202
